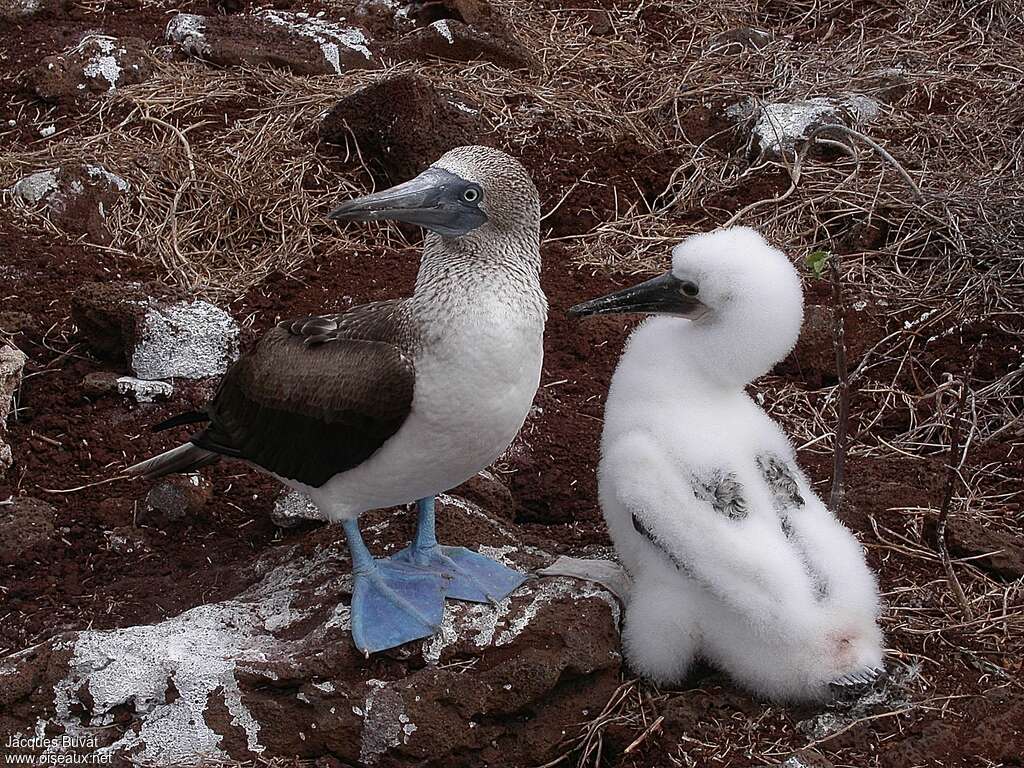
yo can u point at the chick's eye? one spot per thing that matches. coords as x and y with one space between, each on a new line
471 194
690 289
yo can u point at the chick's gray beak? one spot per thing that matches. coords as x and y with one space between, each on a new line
662 295
434 200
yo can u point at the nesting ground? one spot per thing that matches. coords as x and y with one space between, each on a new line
638 121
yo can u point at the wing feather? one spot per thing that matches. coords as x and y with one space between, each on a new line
316 396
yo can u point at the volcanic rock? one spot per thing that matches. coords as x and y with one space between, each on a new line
160 338
304 44
12 363
814 357
193 340
741 39
807 758
143 391
778 127
1000 552
126 540
479 13
292 508
99 383
455 41
489 491
20 10
24 523
272 671
401 123
106 314
14 322
176 498
98 64
77 197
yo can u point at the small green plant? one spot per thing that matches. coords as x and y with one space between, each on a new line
817 261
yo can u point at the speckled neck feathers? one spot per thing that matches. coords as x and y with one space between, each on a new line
456 275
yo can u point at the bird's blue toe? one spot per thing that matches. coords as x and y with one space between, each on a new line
471 576
393 604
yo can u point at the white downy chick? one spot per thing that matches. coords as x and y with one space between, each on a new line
733 557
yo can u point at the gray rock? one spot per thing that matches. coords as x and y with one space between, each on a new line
778 127
271 672
32 189
12 363
193 340
144 391
807 758
293 508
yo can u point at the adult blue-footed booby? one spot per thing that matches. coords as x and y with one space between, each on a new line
397 401
732 555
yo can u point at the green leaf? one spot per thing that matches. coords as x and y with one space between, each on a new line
817 261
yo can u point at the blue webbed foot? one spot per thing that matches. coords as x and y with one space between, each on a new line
470 575
473 577
393 604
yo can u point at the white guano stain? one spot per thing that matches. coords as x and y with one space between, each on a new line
188 30
487 625
103 63
385 722
441 27
99 172
329 36
143 391
197 652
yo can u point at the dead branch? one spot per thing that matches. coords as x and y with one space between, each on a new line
835 498
953 479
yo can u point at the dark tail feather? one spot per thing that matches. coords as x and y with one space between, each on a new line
190 417
184 458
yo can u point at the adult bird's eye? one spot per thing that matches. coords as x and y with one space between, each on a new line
690 289
471 194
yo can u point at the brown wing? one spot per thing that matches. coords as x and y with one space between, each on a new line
314 398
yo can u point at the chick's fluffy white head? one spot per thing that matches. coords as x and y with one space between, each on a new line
754 300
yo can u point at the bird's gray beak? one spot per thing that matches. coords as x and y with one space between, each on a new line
663 296
435 200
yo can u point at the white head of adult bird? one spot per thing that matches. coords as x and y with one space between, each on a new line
733 557
397 401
